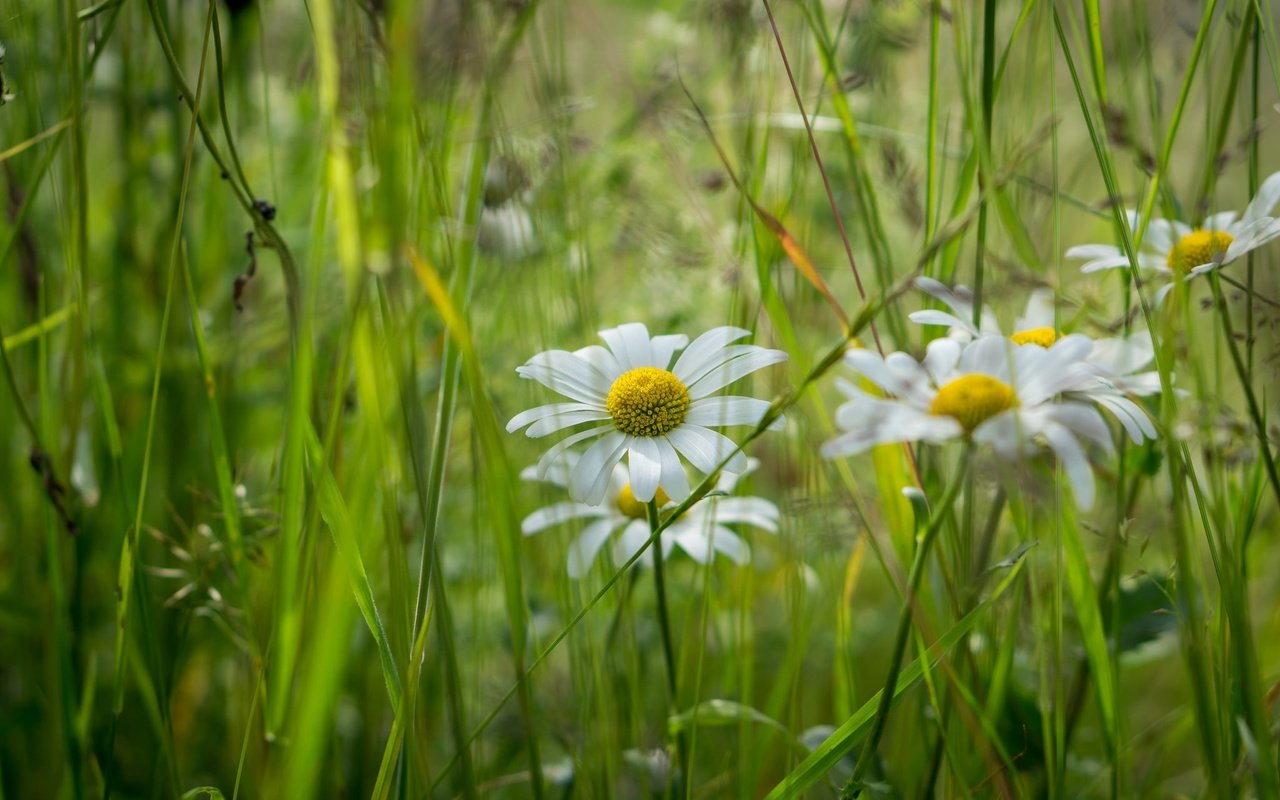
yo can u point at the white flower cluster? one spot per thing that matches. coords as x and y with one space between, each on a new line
1024 394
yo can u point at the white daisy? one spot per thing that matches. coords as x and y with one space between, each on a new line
1176 251
653 412
700 532
1009 397
1118 359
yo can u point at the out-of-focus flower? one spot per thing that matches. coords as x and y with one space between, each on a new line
701 532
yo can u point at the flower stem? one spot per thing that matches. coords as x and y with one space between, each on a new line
926 540
668 647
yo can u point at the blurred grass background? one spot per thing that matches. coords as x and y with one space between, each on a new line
237 440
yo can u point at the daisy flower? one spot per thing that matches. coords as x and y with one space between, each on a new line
1119 360
653 412
701 532
1176 251
993 393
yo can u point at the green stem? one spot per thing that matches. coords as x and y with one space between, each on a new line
904 622
668 646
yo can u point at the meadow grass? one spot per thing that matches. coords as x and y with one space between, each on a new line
267 270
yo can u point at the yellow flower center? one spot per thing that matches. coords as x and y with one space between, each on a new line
1044 337
1198 247
973 399
647 401
631 507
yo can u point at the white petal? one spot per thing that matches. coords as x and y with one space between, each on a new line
674 481
873 421
1081 420
754 511
1039 312
590 476
600 358
990 355
938 290
694 542
941 358
912 377
1072 458
703 350
702 540
730 544
692 374
729 480
1142 384
664 347
567 374
584 549
567 419
1220 221
644 462
633 537
541 412
1254 235
1266 198
740 367
558 455
1123 356
705 449
630 345
1094 251
1134 419
718 412
1060 368
556 472
556 513
933 317
873 367
1104 264
1162 235
1010 433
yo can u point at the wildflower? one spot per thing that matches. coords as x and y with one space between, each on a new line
1175 251
653 412
1119 361
700 532
1009 397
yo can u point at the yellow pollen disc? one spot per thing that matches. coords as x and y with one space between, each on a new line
631 507
1198 247
647 401
1044 337
973 399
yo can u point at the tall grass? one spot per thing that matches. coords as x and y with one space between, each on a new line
266 272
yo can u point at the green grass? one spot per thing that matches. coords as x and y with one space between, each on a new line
260 533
